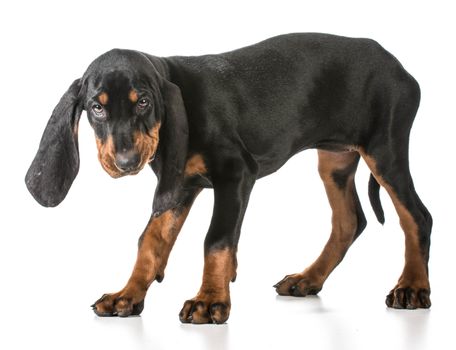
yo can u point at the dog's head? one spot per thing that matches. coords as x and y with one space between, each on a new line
130 106
124 106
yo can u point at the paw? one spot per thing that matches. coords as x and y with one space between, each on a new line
409 298
118 304
298 285
205 310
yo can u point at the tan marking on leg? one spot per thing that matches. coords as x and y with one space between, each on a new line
195 166
344 225
159 237
158 240
103 98
212 303
219 270
414 272
133 96
344 219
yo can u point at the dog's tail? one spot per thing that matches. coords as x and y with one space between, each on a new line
374 197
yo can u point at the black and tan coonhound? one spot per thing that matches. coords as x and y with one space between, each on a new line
223 121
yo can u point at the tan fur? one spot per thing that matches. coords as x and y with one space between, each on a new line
145 144
195 166
106 156
344 218
212 303
133 96
414 272
219 270
158 239
103 98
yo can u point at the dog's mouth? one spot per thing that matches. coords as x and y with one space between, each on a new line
146 145
128 161
120 172
115 171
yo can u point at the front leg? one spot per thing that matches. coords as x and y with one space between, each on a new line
155 245
212 303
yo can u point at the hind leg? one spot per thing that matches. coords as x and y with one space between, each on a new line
337 170
392 172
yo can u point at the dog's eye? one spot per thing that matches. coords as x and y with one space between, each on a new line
143 103
98 111
97 108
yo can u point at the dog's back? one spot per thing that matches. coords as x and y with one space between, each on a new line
308 90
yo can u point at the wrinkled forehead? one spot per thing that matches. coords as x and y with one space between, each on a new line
117 86
115 82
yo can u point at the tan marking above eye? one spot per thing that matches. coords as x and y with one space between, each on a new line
133 96
103 98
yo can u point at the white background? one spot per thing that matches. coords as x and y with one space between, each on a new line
55 262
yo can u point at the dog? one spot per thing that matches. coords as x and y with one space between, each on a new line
223 121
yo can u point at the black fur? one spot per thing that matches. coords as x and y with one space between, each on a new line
172 153
374 197
57 162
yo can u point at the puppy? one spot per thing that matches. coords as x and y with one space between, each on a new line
222 122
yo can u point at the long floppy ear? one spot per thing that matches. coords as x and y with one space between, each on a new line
56 163
172 149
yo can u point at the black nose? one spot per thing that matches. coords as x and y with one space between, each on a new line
128 160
